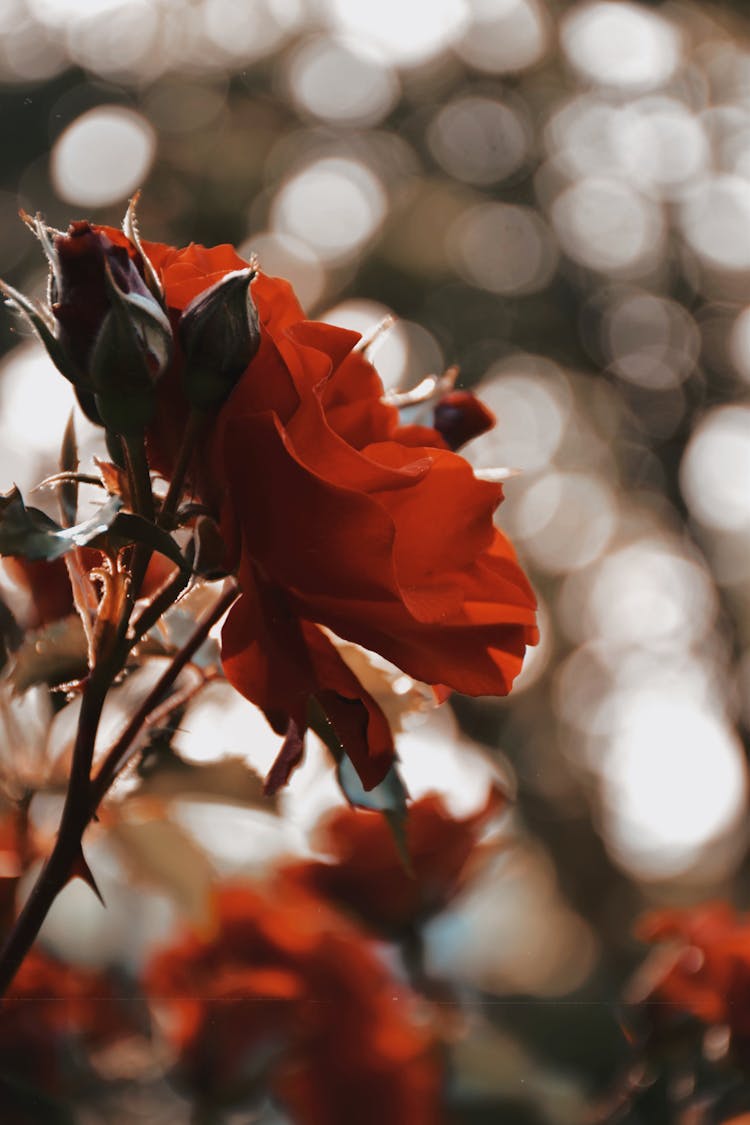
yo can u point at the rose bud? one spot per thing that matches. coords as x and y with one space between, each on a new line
110 324
103 328
220 334
459 416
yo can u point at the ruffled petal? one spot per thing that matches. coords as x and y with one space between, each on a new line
280 663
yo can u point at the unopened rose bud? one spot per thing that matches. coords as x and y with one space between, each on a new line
220 334
459 416
130 353
110 325
104 329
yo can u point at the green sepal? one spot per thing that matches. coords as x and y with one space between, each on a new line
220 335
87 403
389 798
43 326
129 528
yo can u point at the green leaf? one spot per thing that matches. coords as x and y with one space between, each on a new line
30 534
388 798
129 528
161 854
229 780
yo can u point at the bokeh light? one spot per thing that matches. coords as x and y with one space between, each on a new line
334 205
620 44
480 140
650 340
400 31
506 36
503 248
716 221
674 781
103 156
716 468
329 80
606 225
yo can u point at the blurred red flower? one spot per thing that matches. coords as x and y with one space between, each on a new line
285 995
52 1010
336 521
702 967
47 587
367 876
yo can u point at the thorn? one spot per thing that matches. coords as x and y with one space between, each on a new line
81 870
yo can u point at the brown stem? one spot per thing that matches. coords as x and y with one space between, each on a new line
75 816
119 754
142 498
139 477
193 428
165 597
84 795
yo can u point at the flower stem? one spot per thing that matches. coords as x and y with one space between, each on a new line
120 753
75 817
139 477
195 423
165 597
84 794
142 498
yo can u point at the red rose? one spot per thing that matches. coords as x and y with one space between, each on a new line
366 874
336 522
287 996
51 1011
703 967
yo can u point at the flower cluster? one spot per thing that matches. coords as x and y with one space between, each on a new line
53 1015
285 994
701 969
334 528
365 875
336 518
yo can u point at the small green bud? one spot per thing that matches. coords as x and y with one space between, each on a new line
220 334
131 352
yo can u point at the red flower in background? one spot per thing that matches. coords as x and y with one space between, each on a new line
367 876
336 519
286 996
47 587
703 967
50 1010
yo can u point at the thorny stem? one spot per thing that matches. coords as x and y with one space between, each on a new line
193 428
75 816
83 794
119 754
142 499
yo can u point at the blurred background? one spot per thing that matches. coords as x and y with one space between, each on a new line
556 198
